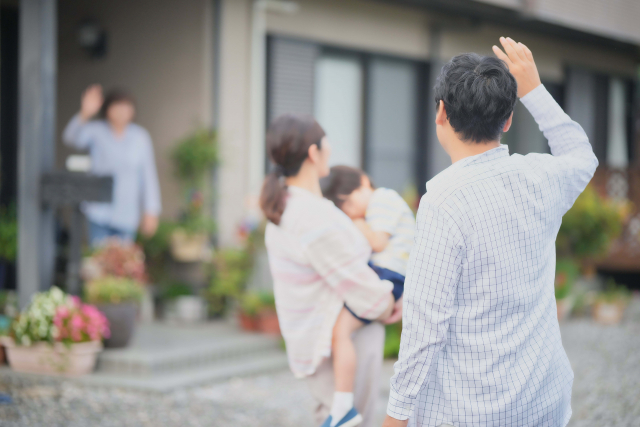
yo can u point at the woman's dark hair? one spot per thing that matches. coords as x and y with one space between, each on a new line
342 181
113 97
288 140
479 94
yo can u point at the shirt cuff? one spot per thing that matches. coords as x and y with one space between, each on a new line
399 407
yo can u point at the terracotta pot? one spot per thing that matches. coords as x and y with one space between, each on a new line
57 359
122 323
248 323
268 322
608 313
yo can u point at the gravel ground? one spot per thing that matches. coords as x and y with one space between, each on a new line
606 362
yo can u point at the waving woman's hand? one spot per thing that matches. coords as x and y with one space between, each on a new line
91 102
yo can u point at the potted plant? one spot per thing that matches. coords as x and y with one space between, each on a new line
566 274
258 312
8 241
180 303
249 308
115 258
56 334
610 305
267 315
231 271
194 157
118 298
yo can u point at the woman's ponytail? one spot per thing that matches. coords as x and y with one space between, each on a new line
272 197
288 140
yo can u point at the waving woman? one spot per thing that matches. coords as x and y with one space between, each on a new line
122 149
318 259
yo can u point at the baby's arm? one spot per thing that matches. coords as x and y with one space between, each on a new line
377 239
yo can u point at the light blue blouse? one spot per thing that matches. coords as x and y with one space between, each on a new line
129 159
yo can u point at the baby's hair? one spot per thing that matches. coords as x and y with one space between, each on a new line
342 181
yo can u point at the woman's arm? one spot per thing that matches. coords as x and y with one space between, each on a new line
342 263
79 132
150 190
377 239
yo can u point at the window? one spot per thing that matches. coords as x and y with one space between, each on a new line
369 105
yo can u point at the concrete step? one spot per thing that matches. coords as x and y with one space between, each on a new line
160 348
264 362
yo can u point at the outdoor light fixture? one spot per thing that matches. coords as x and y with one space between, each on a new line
92 38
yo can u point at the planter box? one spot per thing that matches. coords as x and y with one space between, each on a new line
189 247
122 323
608 313
57 359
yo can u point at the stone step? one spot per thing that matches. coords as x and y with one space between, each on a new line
159 349
256 364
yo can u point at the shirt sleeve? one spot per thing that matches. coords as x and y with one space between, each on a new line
433 272
383 212
150 185
343 265
573 158
79 134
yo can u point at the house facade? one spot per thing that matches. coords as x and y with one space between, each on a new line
364 68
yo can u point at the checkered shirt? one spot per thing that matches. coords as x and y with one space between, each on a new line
480 342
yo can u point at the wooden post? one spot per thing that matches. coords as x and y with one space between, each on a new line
36 144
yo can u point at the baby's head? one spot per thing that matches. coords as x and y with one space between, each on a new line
349 189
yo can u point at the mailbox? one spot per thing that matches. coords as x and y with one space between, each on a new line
64 188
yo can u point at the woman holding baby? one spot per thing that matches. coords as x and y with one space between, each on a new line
326 287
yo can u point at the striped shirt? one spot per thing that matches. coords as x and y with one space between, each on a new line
480 341
388 212
318 259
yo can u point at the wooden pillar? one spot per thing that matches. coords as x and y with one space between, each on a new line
36 144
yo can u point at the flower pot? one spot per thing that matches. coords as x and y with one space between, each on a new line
268 322
122 322
247 322
608 313
186 308
189 247
57 359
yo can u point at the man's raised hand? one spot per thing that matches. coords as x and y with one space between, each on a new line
521 64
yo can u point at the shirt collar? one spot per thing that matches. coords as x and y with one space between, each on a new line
501 151
299 191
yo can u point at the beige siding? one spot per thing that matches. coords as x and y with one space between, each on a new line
365 25
235 70
617 19
552 55
156 49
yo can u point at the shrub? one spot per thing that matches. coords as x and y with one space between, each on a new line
8 234
590 225
113 290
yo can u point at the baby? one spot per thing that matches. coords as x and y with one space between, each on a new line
388 223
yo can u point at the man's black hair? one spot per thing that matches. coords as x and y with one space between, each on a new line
479 94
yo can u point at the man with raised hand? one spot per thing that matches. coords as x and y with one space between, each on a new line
480 341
